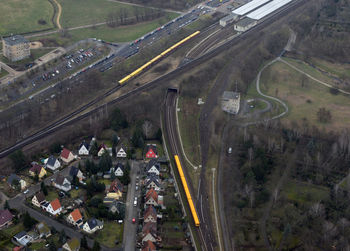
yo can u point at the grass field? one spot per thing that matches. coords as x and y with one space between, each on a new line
83 12
111 232
118 34
340 70
304 102
18 16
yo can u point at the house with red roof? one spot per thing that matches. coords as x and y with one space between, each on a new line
150 215
5 218
149 246
67 156
151 198
75 218
151 151
54 207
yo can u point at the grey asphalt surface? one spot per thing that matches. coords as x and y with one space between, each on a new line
130 229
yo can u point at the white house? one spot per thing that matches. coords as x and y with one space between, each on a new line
53 163
101 150
121 153
72 245
54 207
119 170
13 178
152 181
74 171
23 238
92 225
84 149
62 183
151 198
153 167
75 218
150 215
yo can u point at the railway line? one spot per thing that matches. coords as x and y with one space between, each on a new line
171 134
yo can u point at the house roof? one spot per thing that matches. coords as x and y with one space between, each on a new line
151 163
92 223
35 168
116 186
40 197
149 226
65 153
84 143
59 179
154 178
152 194
51 161
20 235
119 165
76 215
12 177
150 211
14 40
102 146
5 216
55 204
121 150
74 244
148 246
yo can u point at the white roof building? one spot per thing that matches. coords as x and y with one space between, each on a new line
268 9
249 7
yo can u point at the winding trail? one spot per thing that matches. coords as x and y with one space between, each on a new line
58 14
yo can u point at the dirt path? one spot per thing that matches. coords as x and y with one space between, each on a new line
58 14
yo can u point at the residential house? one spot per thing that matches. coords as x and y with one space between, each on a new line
151 151
152 181
74 171
151 198
149 246
23 238
13 179
5 218
149 235
150 215
62 183
83 149
53 163
43 230
119 170
153 166
114 206
92 225
121 153
38 199
37 170
72 245
115 190
101 150
75 218
54 207
67 156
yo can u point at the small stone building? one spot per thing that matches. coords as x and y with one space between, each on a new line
230 102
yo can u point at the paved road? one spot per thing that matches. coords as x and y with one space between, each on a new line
130 229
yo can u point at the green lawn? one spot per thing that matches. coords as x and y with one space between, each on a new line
75 193
303 192
118 34
111 232
17 16
52 194
83 12
340 70
37 245
305 101
34 54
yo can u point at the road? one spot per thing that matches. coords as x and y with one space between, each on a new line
130 229
204 231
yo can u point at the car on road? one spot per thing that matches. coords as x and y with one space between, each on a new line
26 191
229 150
133 220
137 188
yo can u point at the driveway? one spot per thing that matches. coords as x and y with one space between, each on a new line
130 229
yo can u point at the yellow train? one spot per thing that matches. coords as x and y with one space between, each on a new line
187 191
155 59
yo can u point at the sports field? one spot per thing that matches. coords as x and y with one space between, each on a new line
20 16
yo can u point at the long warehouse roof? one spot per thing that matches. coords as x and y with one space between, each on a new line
249 7
268 9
